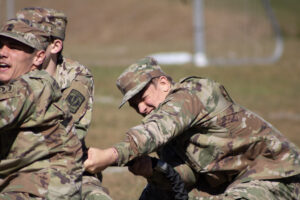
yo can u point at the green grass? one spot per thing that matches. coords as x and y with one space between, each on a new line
271 91
263 89
107 37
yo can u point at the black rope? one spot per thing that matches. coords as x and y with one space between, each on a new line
178 187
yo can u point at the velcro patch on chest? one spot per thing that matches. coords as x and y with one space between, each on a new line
75 99
5 89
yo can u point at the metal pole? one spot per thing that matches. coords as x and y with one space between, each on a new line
10 9
277 53
275 26
199 56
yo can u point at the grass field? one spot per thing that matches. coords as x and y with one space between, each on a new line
107 37
271 91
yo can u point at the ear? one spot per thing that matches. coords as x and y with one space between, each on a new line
56 46
164 83
39 58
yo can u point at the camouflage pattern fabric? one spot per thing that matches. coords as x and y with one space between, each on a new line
24 32
219 140
252 190
77 87
50 20
38 156
75 80
259 189
93 190
137 76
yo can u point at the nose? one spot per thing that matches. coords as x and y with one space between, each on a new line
3 51
142 108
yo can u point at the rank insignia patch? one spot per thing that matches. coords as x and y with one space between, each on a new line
74 99
6 89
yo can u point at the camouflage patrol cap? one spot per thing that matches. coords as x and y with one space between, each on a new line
24 32
52 21
137 76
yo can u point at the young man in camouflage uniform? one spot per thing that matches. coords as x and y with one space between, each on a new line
75 80
220 149
40 155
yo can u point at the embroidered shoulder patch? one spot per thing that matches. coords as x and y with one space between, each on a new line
75 99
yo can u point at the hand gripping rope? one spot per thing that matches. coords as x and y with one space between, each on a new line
178 190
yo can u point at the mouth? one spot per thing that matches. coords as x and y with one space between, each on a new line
4 66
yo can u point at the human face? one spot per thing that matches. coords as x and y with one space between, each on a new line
149 98
16 59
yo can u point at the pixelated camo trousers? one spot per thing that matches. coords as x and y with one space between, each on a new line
93 190
253 190
258 190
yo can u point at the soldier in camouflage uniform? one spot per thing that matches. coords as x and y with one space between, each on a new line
220 149
40 155
75 80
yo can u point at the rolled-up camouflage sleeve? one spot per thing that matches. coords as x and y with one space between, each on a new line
175 115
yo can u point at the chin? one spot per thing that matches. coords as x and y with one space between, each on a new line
4 80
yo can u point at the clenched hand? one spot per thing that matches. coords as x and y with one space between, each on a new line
99 159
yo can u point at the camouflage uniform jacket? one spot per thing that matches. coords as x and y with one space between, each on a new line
214 136
37 153
77 87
